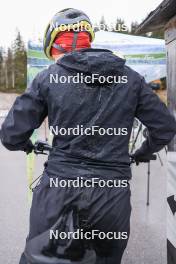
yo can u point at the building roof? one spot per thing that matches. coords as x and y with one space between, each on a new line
158 18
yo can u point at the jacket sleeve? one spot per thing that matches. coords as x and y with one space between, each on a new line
27 113
154 114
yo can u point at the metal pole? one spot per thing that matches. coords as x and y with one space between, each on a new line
159 157
148 184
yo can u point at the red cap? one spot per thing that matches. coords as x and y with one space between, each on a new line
65 40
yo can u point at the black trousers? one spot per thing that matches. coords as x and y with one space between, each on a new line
108 210
171 253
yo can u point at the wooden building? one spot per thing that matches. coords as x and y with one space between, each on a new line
164 17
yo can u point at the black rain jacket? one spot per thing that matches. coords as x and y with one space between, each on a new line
95 104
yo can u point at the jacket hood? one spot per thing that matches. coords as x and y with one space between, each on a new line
93 61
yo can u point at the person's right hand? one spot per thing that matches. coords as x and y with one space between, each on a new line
28 147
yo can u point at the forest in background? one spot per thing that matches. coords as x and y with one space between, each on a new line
13 66
13 61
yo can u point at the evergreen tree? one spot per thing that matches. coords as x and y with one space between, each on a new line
120 26
96 27
134 26
102 24
20 63
158 34
10 69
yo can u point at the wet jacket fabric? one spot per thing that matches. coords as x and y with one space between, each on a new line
106 105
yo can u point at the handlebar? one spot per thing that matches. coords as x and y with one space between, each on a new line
143 159
41 146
